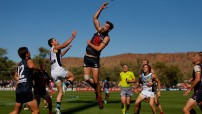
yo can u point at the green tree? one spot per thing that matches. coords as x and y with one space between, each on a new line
78 73
2 52
173 74
41 58
5 65
159 68
168 75
43 52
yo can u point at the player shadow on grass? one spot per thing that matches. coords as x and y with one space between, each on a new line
88 104
118 101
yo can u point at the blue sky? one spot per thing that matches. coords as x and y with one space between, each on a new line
141 26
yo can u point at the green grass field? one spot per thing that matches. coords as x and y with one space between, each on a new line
84 103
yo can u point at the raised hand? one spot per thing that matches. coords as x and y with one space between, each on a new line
74 33
104 5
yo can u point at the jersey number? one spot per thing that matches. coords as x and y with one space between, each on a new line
20 71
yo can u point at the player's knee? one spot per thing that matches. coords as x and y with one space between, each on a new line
57 81
87 78
136 104
74 78
157 103
36 111
151 104
97 82
60 92
70 75
185 110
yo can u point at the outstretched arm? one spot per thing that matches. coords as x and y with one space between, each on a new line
136 87
195 82
32 65
14 72
15 76
97 14
137 84
67 42
65 51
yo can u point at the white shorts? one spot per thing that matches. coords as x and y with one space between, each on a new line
106 90
147 94
59 73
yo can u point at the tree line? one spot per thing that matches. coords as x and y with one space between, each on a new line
169 75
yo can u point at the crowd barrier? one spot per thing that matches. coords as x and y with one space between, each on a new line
89 89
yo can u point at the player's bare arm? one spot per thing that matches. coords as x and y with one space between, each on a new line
65 51
96 16
66 43
156 79
14 72
131 81
15 76
102 45
136 87
32 65
195 82
152 71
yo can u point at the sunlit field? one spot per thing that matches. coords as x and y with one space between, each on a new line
84 103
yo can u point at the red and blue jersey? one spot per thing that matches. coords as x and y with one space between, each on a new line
96 40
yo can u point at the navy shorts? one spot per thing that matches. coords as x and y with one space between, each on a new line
197 96
24 97
40 94
91 62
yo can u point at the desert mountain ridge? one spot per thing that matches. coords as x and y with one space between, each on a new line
182 60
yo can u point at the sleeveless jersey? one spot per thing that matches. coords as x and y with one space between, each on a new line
197 68
123 75
55 58
96 40
25 78
145 79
